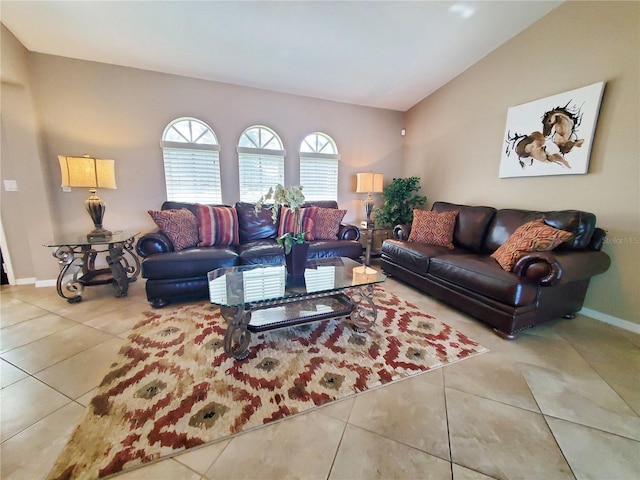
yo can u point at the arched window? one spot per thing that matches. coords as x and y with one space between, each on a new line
260 162
319 167
191 162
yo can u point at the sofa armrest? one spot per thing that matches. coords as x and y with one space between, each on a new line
597 239
539 267
153 242
348 232
549 268
401 232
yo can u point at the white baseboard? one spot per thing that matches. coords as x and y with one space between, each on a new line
25 281
46 283
611 320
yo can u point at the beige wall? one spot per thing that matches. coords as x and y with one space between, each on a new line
120 113
25 214
454 137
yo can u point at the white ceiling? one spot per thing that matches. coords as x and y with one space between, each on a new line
383 54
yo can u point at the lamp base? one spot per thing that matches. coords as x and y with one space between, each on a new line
99 234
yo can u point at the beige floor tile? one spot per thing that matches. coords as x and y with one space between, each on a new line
119 320
363 454
31 330
10 374
300 447
593 454
82 372
493 376
200 459
54 348
167 469
26 402
32 453
89 308
581 398
17 311
340 410
85 399
462 473
502 441
411 411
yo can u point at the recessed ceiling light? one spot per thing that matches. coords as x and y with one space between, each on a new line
465 11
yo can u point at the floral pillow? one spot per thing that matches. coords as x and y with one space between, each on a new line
534 236
217 225
327 223
179 225
287 221
433 228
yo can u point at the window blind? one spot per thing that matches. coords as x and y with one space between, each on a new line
259 172
319 177
192 175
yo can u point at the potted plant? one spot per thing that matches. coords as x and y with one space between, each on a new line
400 200
295 246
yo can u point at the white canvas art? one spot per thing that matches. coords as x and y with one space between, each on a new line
551 136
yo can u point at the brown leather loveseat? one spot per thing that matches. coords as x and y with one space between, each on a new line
542 285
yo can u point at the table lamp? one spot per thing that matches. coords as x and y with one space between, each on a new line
91 173
369 183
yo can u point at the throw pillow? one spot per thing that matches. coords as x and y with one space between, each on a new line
179 225
534 236
217 225
327 223
433 228
287 221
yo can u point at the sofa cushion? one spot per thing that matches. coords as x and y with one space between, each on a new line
411 255
217 225
180 226
433 228
191 262
483 275
335 248
327 223
255 226
471 224
534 236
287 221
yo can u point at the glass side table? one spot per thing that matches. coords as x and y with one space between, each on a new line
77 258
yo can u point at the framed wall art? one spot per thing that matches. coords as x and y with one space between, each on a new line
553 135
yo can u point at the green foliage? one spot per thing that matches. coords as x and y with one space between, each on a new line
400 199
293 198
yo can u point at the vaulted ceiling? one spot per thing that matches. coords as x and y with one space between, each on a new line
387 54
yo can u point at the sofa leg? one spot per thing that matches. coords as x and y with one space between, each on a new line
158 303
569 316
505 335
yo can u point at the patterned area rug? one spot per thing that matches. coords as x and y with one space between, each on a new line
172 387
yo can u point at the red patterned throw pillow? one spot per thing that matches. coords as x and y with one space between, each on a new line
534 236
326 224
433 228
179 225
287 221
217 225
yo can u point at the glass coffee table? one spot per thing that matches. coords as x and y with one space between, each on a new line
256 298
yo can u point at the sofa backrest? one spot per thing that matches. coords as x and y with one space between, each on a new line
255 226
506 221
471 224
321 204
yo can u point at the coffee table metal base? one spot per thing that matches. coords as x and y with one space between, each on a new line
293 311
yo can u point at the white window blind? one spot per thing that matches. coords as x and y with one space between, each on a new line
260 162
319 162
319 177
191 162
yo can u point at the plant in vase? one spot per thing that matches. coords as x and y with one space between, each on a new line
293 198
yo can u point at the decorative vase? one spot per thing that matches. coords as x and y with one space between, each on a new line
296 260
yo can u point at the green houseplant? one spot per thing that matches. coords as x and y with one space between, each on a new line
293 198
400 199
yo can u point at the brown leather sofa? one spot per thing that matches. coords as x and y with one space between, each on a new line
542 286
175 276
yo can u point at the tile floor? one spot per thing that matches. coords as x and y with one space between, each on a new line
562 401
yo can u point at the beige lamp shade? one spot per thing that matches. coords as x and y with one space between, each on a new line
369 182
87 172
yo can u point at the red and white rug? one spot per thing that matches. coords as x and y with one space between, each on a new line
172 387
